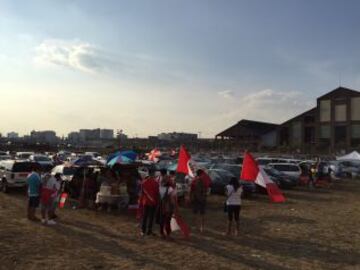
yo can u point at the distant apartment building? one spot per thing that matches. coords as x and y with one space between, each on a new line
47 136
13 135
96 134
177 136
74 137
106 134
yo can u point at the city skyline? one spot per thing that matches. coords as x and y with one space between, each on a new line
162 66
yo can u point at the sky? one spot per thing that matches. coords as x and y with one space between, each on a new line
148 67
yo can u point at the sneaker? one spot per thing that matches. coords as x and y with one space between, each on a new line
51 222
43 221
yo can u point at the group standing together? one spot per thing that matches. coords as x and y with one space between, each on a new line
157 201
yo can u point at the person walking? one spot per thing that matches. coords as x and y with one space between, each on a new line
34 186
233 204
198 194
149 199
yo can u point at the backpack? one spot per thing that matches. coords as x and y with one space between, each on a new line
199 192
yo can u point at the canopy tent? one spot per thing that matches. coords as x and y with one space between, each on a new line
352 156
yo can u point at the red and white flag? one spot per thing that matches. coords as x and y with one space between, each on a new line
154 155
252 172
184 162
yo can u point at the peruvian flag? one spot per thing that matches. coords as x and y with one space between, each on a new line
252 172
184 162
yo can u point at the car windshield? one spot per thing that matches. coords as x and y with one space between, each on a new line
287 168
41 158
263 161
24 156
68 171
23 167
272 171
232 168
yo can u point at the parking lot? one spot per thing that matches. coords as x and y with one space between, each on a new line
314 229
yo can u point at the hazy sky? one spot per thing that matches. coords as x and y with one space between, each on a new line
164 65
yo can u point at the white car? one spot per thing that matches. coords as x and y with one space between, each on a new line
287 168
66 172
23 155
4 155
45 162
14 173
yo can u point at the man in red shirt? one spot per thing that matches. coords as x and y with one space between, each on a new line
149 199
198 193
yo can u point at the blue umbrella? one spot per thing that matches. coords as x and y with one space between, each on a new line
120 160
129 154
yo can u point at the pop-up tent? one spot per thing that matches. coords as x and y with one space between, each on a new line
352 156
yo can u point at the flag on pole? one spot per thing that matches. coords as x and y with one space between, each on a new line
253 173
154 155
184 162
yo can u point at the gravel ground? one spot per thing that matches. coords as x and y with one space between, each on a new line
314 229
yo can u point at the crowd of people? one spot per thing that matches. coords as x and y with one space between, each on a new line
156 197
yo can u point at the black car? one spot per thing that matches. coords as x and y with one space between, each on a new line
220 178
282 180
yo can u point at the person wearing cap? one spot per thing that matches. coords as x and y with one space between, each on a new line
149 199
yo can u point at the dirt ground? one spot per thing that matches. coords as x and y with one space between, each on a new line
316 229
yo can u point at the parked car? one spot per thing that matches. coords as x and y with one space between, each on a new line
13 173
220 178
23 155
349 168
4 155
45 162
282 180
287 168
264 161
235 169
66 172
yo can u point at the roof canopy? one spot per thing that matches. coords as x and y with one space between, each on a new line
352 156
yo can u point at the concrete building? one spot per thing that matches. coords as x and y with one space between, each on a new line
333 125
47 136
13 135
177 136
96 134
106 134
74 137
251 134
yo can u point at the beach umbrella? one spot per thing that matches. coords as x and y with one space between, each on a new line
120 160
129 154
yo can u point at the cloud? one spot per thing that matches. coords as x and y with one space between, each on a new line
226 94
76 55
267 105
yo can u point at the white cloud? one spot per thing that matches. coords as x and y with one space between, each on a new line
76 55
264 105
226 94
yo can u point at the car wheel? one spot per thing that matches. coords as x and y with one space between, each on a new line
4 186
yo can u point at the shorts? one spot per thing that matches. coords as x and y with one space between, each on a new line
34 201
199 207
233 212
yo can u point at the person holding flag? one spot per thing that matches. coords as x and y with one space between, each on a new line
253 173
149 200
198 194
